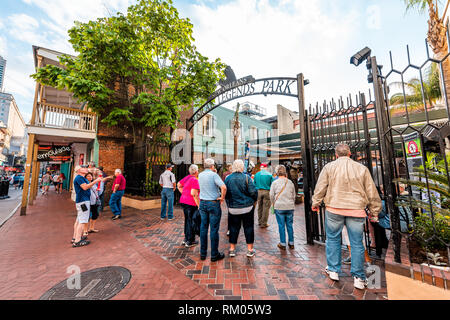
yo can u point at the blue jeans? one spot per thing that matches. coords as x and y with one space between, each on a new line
115 202
285 219
189 211
355 229
211 214
167 195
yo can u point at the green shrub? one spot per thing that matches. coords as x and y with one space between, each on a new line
429 236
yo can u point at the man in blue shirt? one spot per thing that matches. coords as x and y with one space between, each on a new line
263 181
83 204
212 194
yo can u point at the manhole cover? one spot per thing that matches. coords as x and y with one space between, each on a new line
97 284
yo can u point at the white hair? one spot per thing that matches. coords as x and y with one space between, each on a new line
209 163
118 170
77 168
193 169
238 166
342 150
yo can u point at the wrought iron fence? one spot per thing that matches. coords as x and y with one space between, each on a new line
416 133
138 159
350 121
403 136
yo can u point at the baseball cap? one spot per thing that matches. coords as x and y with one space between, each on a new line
169 165
263 165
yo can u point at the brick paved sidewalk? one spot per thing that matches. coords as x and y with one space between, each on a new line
35 252
272 274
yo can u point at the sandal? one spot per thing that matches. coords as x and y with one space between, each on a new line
93 231
81 243
82 238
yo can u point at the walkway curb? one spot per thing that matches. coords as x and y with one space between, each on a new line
10 215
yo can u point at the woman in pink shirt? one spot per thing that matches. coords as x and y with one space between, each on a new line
190 201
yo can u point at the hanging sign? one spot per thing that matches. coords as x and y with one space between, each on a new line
54 153
413 145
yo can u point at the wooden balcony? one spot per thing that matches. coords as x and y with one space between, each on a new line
59 117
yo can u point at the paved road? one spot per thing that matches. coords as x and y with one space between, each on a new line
8 205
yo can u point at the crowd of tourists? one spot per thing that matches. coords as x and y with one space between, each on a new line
345 188
89 185
203 194
49 178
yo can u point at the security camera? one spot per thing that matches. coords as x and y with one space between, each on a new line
359 57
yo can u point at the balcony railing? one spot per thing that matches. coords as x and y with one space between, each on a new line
59 117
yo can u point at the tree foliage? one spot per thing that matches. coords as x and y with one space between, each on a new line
419 5
431 231
417 91
136 70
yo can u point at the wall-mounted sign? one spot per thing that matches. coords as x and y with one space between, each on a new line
54 153
413 145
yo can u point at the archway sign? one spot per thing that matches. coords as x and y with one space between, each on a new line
232 89
244 87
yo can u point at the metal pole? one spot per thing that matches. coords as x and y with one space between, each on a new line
366 133
386 157
191 141
307 175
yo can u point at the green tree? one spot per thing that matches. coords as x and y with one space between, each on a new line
431 232
414 97
436 32
138 70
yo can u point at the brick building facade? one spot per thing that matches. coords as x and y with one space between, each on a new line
112 142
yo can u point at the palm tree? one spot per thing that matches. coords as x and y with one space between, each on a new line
436 33
414 97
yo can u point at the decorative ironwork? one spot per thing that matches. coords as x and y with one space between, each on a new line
244 88
404 139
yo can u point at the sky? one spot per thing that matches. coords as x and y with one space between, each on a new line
262 38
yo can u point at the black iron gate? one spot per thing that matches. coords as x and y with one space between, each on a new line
339 122
402 137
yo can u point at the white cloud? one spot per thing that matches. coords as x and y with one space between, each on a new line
3 47
24 28
18 79
283 39
64 13
22 31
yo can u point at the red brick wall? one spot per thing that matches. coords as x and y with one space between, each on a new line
111 155
112 142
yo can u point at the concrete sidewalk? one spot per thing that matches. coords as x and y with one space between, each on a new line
10 205
36 252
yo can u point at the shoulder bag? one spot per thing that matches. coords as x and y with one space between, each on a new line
272 208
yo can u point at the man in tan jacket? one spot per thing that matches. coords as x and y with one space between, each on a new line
347 189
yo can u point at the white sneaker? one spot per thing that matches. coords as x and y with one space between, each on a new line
332 275
359 283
